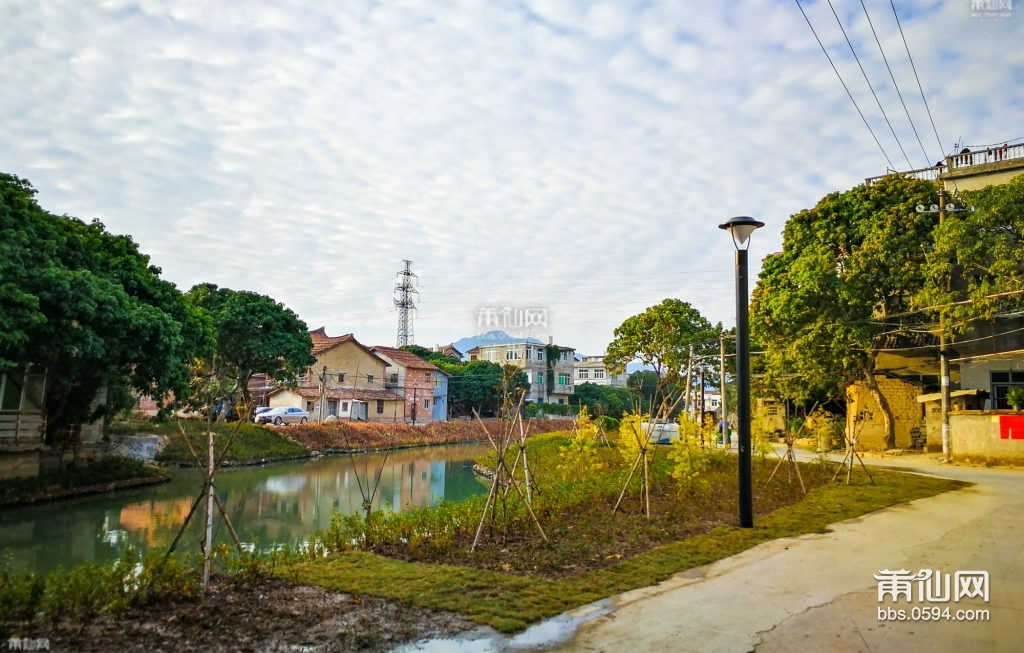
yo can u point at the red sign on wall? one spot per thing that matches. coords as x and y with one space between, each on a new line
1011 427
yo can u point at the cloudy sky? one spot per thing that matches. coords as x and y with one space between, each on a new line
573 156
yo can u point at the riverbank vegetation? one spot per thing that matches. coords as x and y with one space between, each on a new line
253 443
514 578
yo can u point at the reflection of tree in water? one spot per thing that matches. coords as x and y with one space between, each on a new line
274 503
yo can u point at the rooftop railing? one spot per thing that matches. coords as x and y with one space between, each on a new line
981 157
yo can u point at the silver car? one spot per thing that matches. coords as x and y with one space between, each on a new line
283 415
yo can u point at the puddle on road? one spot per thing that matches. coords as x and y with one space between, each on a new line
539 637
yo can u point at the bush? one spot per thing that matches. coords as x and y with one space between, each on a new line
377 435
104 470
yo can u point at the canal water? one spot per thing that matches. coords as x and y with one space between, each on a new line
279 502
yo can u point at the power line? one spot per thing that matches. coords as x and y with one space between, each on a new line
872 88
938 140
845 87
927 160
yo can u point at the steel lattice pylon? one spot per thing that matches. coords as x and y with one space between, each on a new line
405 289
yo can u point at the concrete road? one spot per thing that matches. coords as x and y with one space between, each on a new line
818 593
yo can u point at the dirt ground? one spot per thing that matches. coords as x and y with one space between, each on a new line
275 616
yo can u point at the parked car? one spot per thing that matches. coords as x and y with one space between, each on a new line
259 411
283 415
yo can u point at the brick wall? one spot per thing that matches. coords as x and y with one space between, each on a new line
864 417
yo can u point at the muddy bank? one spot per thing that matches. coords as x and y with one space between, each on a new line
58 493
270 616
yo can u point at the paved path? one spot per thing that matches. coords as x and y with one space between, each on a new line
817 592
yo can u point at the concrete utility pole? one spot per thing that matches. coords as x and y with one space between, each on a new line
406 305
689 381
323 392
943 352
701 405
722 402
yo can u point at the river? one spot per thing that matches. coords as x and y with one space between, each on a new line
277 502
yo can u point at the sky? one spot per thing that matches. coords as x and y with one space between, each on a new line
573 158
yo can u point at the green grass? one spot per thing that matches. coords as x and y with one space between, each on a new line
509 602
105 470
253 443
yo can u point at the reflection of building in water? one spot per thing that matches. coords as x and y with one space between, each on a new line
154 519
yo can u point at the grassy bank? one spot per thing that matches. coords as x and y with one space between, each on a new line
510 602
101 472
360 436
253 443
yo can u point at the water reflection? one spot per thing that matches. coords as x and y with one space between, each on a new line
284 502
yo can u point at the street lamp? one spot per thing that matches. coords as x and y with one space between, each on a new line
740 228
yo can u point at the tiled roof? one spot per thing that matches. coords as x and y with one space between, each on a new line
322 342
405 358
360 394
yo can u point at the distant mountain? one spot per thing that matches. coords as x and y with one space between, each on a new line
489 338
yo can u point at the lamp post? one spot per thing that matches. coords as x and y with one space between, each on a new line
740 229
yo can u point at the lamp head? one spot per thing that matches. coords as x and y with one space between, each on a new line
740 229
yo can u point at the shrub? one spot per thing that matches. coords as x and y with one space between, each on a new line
579 458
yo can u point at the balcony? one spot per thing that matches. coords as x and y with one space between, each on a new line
965 164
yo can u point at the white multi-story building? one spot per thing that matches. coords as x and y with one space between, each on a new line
592 370
531 356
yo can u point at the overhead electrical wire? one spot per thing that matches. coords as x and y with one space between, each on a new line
845 87
938 140
927 159
872 88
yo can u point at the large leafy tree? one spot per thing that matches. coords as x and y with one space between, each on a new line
88 306
255 335
604 399
823 306
978 253
660 338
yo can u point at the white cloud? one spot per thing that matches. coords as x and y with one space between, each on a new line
572 155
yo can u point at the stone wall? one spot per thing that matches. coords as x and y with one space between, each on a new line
864 417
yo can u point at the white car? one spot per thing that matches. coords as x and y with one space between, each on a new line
282 415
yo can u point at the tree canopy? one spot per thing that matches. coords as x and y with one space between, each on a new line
89 307
822 306
255 335
978 252
660 338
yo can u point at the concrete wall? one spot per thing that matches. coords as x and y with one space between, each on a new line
975 374
864 417
981 435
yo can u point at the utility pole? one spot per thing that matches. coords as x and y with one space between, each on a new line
689 380
701 405
943 352
414 400
721 374
405 288
323 392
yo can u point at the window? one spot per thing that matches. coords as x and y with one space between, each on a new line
513 354
309 407
369 378
540 354
332 406
341 377
437 381
1002 383
380 406
561 401
564 378
565 355
394 378
344 406
529 352
426 403
428 375
540 379
598 374
585 374
772 409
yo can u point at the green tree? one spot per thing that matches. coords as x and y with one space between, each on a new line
978 253
603 399
847 268
660 338
88 306
255 335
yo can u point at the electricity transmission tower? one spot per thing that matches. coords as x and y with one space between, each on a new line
405 289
